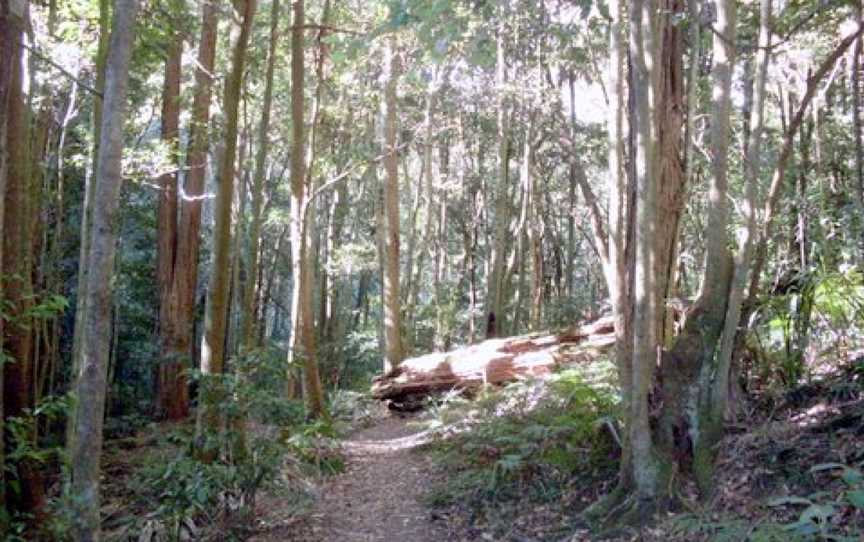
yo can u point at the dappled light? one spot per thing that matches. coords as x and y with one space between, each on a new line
431 270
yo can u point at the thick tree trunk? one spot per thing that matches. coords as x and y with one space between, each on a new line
17 267
95 331
648 473
210 417
169 400
178 322
689 426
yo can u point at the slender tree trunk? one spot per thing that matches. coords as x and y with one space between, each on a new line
392 309
216 315
248 333
495 318
87 205
671 174
302 327
95 332
790 129
857 90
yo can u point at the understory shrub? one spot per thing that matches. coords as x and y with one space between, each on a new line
530 439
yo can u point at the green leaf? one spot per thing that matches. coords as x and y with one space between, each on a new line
852 476
856 498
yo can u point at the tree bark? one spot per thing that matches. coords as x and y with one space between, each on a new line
17 267
392 310
647 472
170 401
87 205
857 121
303 345
210 421
248 332
495 320
494 361
95 332
671 178
179 326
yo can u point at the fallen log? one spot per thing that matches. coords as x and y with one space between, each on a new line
495 361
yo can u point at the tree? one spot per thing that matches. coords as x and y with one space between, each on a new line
302 346
248 333
92 365
17 242
216 316
392 300
177 314
171 398
495 296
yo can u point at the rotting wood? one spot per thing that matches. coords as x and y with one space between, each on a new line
494 361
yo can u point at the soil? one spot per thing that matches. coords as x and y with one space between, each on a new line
379 496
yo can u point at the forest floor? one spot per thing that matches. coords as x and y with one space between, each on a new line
379 496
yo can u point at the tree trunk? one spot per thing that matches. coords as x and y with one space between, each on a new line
647 473
303 345
671 175
248 333
210 421
392 301
689 426
743 258
495 319
857 90
169 401
95 331
87 204
17 266
494 361
172 390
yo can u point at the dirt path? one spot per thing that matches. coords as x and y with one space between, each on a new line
378 497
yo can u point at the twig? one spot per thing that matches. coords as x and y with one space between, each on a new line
326 27
62 70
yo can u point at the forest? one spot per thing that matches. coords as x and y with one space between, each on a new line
431 270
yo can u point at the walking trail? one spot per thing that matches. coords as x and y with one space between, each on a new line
379 495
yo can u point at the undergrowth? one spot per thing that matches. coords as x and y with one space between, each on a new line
538 443
168 493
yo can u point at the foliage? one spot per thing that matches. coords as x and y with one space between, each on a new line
832 513
189 497
818 312
530 439
315 445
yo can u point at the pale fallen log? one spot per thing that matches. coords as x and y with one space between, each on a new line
495 361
